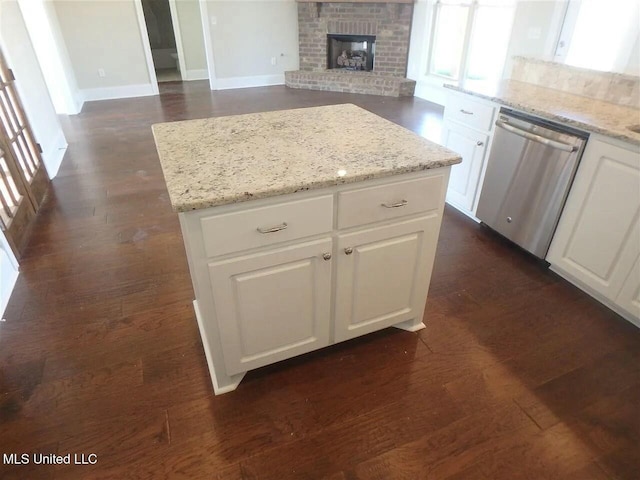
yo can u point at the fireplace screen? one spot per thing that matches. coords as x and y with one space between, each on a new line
351 52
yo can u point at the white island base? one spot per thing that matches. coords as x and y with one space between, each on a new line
279 277
230 383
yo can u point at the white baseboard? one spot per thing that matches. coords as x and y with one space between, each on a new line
52 158
248 82
430 92
124 91
78 103
463 210
201 74
73 104
630 317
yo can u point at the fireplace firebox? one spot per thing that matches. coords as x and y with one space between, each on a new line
351 52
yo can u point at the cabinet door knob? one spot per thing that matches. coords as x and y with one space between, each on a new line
479 143
326 256
348 250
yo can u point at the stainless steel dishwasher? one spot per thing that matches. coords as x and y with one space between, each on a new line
529 172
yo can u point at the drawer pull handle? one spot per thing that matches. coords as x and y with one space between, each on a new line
326 256
348 251
395 205
277 228
466 112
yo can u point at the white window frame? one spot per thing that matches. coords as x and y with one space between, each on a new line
463 69
567 30
462 66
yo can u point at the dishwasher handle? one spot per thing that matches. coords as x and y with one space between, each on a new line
536 138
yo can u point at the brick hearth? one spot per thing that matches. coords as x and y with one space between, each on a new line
390 23
368 83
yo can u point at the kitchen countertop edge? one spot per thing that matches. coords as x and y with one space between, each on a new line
613 132
185 207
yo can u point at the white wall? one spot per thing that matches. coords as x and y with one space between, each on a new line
429 88
192 38
105 34
44 30
19 52
633 67
247 35
536 26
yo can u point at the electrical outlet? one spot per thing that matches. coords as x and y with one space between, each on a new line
101 73
274 61
214 20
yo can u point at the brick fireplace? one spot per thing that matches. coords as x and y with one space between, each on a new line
357 68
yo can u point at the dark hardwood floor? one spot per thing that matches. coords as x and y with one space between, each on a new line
519 375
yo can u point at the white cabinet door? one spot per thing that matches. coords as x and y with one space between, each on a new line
272 305
629 297
598 237
383 275
465 176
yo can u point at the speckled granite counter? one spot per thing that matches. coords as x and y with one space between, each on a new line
217 161
581 112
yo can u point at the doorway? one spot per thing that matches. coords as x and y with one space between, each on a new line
160 19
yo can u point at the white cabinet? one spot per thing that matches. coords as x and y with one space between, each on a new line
465 177
278 277
597 241
467 128
383 275
272 305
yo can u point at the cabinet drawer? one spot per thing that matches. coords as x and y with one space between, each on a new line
464 110
259 227
373 204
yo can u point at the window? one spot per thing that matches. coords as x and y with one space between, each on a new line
470 39
601 35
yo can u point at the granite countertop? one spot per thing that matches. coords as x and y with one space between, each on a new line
581 112
218 161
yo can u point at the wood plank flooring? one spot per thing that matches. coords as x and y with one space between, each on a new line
519 375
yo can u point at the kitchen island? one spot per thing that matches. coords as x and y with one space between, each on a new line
303 228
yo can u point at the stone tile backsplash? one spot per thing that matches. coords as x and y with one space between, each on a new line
617 88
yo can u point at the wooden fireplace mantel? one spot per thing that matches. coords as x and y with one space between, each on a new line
356 1
393 6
